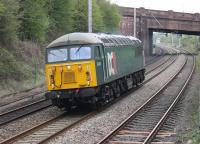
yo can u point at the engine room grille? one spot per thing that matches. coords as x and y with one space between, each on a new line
69 77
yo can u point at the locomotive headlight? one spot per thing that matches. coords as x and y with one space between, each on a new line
79 68
52 86
52 81
68 67
51 70
51 76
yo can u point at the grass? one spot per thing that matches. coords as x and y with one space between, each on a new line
194 135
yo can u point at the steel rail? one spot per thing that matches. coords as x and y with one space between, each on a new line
162 62
29 131
39 127
159 72
15 114
158 56
22 98
169 110
23 91
127 120
149 71
153 60
68 127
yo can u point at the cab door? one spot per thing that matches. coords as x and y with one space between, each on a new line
100 64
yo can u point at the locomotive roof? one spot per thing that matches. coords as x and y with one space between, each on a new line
93 38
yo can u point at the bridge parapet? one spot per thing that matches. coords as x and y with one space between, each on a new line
160 14
148 21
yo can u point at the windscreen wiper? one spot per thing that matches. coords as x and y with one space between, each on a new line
78 49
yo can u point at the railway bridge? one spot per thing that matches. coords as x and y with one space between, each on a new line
149 21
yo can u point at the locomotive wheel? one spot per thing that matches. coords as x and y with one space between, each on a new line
68 105
117 91
134 80
98 105
58 102
137 79
122 84
111 94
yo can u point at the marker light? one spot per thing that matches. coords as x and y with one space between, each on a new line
79 68
68 67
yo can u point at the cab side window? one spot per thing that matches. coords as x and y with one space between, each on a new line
97 52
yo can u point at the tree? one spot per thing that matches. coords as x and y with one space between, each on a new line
2 8
8 22
34 20
60 14
80 16
98 24
111 15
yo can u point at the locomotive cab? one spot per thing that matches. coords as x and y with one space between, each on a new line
71 71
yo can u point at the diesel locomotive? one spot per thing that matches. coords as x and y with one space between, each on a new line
92 68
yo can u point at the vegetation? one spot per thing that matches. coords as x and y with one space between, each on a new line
190 42
34 20
194 135
60 17
43 20
9 22
27 26
111 16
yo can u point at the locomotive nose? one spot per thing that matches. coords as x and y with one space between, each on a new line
71 75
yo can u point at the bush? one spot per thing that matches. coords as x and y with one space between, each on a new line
11 68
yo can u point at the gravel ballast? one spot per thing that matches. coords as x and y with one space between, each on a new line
21 125
93 130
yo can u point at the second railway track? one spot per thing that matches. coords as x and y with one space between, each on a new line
143 125
23 111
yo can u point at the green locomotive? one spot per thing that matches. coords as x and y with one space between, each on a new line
92 68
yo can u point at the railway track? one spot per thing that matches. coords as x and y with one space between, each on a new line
155 58
163 61
144 125
159 56
50 128
2 104
58 125
158 65
23 111
162 67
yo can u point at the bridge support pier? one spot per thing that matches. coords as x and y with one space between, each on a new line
148 42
